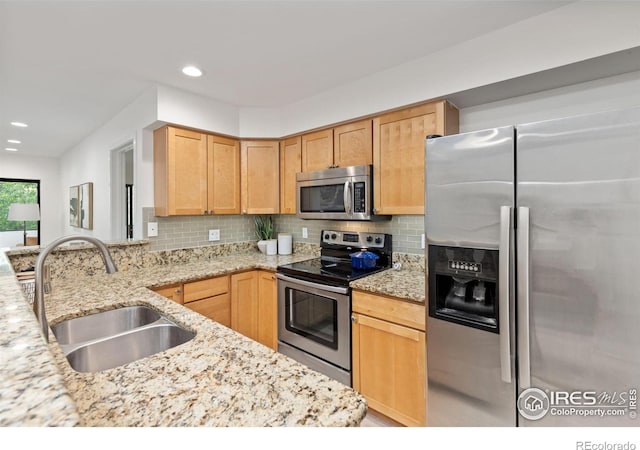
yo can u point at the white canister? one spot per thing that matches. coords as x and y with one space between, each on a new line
284 243
272 247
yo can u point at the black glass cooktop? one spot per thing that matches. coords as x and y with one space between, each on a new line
329 271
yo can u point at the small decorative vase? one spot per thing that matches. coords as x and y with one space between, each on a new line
262 246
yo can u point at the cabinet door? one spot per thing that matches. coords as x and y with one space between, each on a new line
180 170
389 366
173 292
352 144
399 158
223 161
267 309
317 150
244 303
260 177
216 308
290 164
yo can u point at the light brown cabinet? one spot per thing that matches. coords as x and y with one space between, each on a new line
267 309
290 165
399 154
346 145
260 168
389 356
172 292
244 303
195 173
353 144
253 306
209 297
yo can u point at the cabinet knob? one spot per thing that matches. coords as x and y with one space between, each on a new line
178 291
244 211
353 319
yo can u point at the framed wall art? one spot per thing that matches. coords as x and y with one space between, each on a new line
86 206
74 206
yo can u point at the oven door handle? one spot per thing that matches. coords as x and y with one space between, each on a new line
323 287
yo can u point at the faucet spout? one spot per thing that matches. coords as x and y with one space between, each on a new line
38 304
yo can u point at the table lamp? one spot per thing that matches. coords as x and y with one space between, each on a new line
24 212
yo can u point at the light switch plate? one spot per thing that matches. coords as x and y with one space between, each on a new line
422 240
305 233
214 235
152 229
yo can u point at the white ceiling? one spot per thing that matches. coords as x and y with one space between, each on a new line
66 67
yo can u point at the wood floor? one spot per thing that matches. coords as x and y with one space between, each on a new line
375 419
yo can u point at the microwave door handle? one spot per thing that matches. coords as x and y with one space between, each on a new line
347 197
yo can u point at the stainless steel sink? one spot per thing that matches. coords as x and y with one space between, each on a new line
99 325
113 338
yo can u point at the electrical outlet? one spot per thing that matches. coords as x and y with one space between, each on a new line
152 229
422 241
305 233
214 235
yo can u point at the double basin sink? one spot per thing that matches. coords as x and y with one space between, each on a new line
113 338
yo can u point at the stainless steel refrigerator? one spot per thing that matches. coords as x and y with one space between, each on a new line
533 236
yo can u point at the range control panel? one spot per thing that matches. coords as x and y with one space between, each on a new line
354 238
465 266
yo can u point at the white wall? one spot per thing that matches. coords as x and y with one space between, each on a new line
622 91
89 161
573 33
52 202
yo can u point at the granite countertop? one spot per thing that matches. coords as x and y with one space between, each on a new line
405 284
220 378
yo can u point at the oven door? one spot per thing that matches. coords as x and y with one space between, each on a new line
315 318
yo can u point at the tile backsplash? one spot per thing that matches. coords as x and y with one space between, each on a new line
193 231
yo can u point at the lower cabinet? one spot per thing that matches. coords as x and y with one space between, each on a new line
389 356
253 306
245 302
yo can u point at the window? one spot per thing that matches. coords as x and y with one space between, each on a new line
18 191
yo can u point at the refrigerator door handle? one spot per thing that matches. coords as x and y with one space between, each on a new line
503 292
524 361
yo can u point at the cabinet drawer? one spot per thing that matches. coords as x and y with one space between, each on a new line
217 308
198 290
172 292
389 308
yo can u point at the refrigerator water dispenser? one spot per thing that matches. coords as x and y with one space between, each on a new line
463 286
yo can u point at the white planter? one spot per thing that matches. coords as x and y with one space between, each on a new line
262 246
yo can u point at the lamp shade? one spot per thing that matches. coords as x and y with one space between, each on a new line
24 212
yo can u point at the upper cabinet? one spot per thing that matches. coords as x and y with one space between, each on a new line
352 144
317 150
342 146
223 181
290 165
399 154
195 173
260 167
180 172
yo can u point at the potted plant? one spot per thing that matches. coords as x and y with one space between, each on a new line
264 231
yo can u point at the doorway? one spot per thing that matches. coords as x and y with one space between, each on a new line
18 232
122 192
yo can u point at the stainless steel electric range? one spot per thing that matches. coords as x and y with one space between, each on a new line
314 301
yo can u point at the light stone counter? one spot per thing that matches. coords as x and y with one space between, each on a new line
220 378
404 283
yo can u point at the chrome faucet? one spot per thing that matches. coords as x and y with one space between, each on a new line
38 303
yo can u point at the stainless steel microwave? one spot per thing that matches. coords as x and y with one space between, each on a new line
343 193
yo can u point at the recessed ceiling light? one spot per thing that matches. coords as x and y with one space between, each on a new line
19 124
14 141
191 71
11 149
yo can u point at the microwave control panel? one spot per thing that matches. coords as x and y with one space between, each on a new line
359 197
